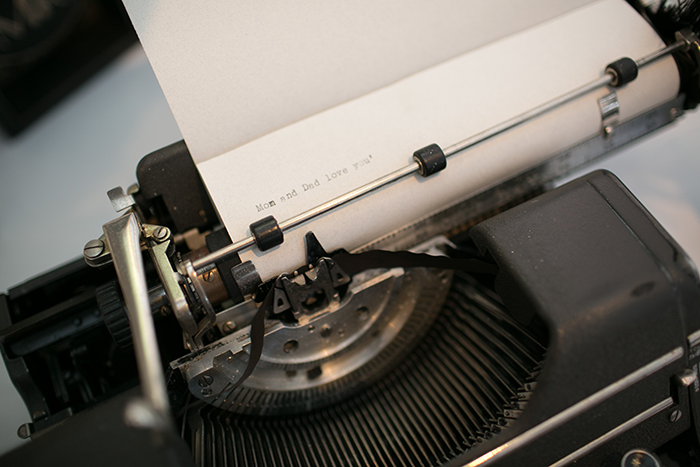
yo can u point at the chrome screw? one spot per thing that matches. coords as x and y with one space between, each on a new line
208 276
93 249
205 381
161 233
675 415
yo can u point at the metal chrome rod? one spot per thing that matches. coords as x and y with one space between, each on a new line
201 263
615 432
654 56
347 197
526 116
306 216
221 253
123 237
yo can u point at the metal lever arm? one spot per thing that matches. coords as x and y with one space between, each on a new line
123 237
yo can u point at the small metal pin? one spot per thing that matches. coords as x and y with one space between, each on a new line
229 327
685 378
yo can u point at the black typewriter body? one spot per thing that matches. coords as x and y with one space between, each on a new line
528 325
583 348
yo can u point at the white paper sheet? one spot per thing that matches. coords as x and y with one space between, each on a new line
236 70
376 134
327 154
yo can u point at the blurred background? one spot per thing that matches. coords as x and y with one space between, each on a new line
80 106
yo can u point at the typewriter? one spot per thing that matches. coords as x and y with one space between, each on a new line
475 323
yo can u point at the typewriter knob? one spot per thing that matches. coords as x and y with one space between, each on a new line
640 458
113 311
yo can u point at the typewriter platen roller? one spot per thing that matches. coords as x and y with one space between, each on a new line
517 325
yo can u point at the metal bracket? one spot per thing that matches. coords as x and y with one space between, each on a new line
692 45
120 200
691 42
193 332
156 239
609 112
209 320
97 252
176 297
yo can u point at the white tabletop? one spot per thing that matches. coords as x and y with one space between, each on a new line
54 179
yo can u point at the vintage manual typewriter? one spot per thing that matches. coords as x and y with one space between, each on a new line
379 272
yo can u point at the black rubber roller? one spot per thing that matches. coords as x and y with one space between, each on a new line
267 233
431 159
622 71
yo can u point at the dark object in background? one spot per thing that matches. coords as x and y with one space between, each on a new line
668 17
50 47
101 436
